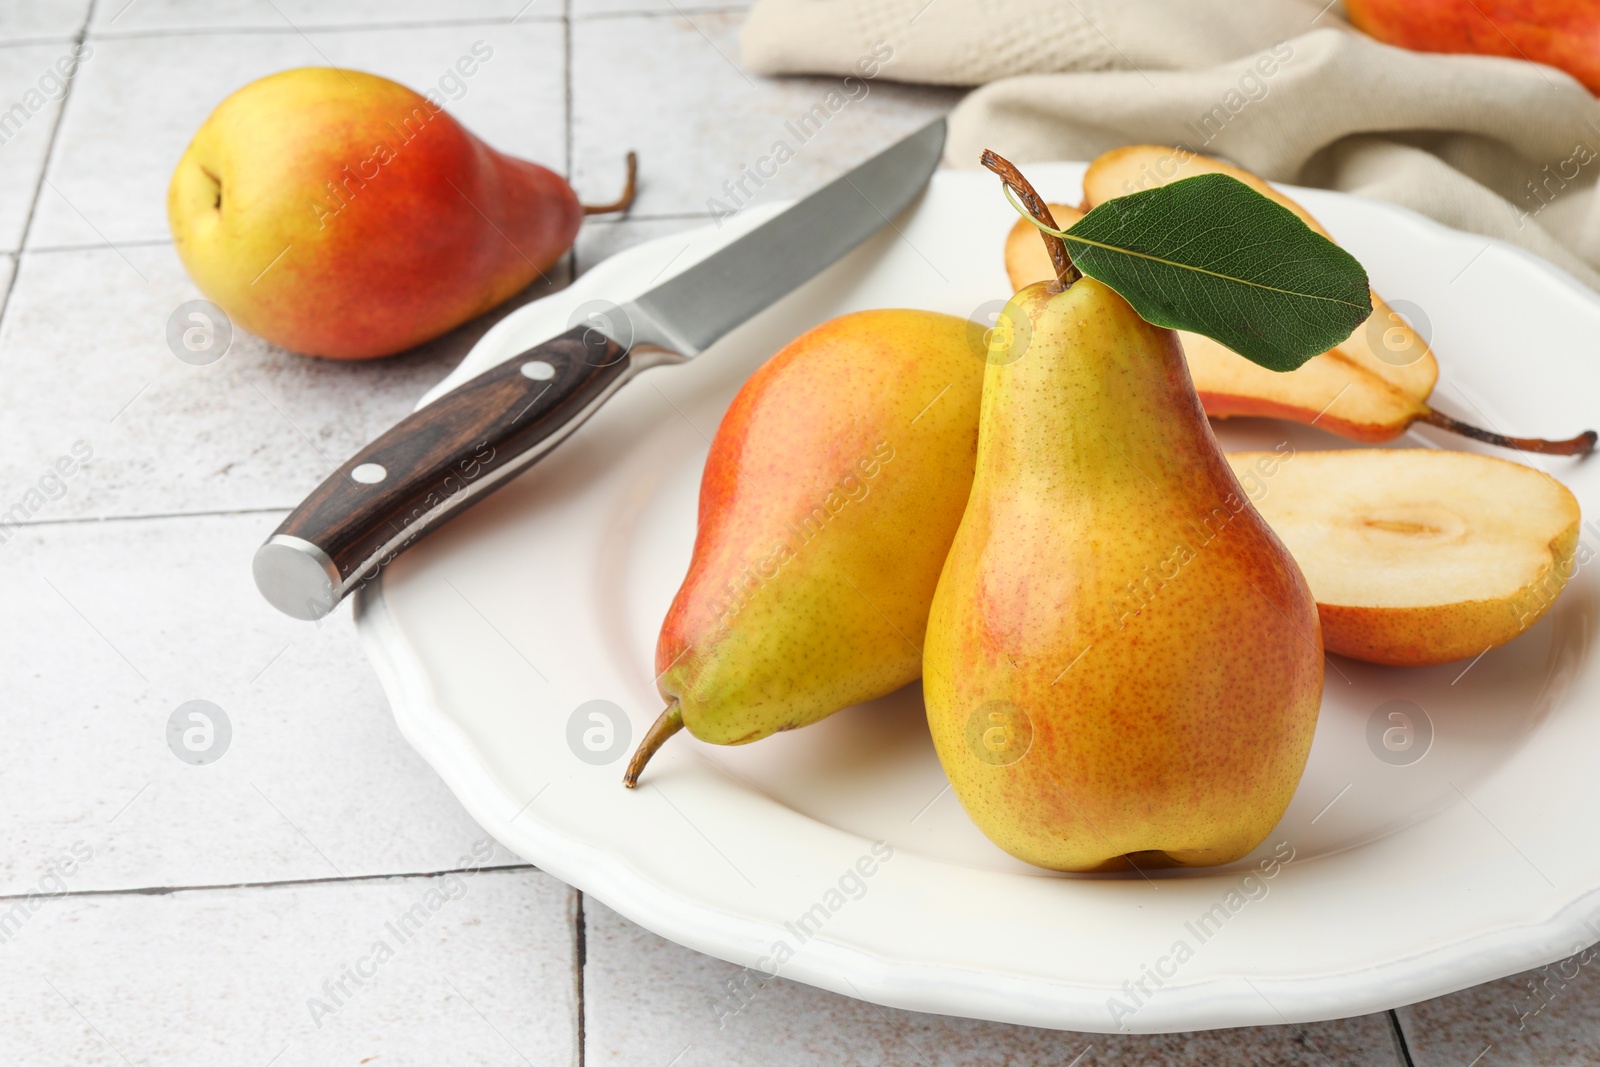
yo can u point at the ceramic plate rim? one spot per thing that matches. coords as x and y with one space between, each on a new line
973 987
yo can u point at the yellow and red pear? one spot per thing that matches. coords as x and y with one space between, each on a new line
1560 33
833 488
341 214
1123 663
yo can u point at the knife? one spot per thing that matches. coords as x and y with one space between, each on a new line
440 459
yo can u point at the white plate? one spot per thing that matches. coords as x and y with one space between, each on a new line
1407 881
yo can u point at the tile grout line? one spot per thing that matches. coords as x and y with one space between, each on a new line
282 883
580 930
280 31
34 42
44 164
1402 1046
580 952
580 944
566 84
85 520
156 242
570 256
677 11
101 246
362 27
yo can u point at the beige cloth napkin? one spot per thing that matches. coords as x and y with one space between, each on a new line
1282 87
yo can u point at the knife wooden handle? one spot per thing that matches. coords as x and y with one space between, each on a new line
430 464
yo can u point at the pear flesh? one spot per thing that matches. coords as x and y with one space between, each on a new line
1123 663
1418 556
1337 391
1353 390
1371 387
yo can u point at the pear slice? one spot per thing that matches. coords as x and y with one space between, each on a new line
1417 556
1336 391
1370 388
1354 390
1027 261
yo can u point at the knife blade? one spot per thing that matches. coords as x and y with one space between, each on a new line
445 456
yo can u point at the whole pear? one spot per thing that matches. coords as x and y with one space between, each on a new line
340 214
1560 33
1123 664
833 488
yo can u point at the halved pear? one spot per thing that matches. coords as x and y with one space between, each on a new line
1355 390
1417 556
1372 387
1349 390
1336 391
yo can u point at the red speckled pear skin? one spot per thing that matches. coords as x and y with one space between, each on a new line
829 498
339 214
1561 33
1123 662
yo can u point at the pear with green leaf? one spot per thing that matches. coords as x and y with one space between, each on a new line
1123 664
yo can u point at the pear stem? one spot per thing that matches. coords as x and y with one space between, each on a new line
1580 445
669 723
1060 258
625 201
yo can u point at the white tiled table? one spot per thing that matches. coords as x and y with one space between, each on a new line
229 913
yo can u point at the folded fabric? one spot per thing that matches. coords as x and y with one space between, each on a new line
1284 88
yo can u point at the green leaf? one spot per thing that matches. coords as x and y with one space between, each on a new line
1210 255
